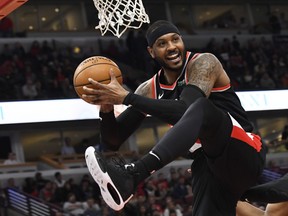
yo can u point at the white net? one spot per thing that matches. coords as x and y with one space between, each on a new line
118 15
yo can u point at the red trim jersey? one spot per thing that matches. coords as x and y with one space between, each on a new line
223 97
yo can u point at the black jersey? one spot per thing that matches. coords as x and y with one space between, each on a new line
224 97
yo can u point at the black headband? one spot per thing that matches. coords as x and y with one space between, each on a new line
158 29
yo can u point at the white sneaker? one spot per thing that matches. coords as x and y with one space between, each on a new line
117 181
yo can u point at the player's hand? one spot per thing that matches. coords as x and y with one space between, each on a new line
112 93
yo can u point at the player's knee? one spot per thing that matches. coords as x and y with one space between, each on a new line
198 106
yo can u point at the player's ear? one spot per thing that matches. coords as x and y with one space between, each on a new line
151 52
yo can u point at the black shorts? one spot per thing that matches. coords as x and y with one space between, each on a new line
219 182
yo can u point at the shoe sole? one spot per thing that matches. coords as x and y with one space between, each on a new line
102 178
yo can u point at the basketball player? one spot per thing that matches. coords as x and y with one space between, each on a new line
193 93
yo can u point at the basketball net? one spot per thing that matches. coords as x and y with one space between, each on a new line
118 15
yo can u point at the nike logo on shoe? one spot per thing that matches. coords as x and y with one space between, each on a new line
129 166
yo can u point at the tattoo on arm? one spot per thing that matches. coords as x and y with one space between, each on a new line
203 72
144 89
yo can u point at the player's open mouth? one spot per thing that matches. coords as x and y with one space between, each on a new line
174 58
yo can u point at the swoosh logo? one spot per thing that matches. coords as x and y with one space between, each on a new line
161 95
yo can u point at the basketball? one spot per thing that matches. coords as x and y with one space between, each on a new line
97 68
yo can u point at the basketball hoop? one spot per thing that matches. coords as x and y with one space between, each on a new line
118 15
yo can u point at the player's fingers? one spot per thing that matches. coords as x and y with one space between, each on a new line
94 82
89 97
89 90
112 75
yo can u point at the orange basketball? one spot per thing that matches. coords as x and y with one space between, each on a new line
97 68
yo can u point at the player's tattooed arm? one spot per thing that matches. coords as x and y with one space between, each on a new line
204 72
145 89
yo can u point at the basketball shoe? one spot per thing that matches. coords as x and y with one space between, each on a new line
117 181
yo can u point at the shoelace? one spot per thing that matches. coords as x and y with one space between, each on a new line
119 161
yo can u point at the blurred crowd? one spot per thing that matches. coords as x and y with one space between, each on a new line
259 64
45 70
162 194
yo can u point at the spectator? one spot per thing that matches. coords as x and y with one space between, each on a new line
150 188
180 189
177 205
154 205
143 211
18 50
35 49
173 177
275 24
243 25
72 206
29 90
39 180
11 159
11 184
188 211
86 190
6 27
59 181
47 192
171 211
106 211
30 187
284 80
266 82
68 90
61 193
161 178
67 148
247 80
91 208
45 48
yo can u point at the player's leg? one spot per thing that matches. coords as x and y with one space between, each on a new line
176 142
202 119
210 196
231 153
247 209
277 209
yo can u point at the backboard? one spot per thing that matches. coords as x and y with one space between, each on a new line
7 6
